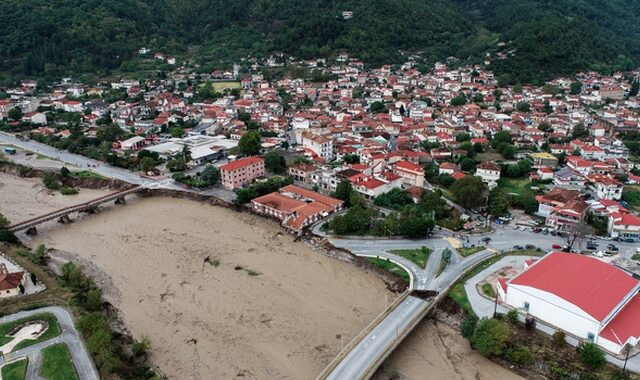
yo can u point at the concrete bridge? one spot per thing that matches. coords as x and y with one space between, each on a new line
62 215
367 351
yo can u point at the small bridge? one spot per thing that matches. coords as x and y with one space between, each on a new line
62 215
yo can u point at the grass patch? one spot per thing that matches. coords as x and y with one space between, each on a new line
391 267
86 174
514 186
417 256
470 250
51 332
57 363
459 295
15 370
221 86
488 290
636 256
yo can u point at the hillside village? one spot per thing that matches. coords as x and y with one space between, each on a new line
565 152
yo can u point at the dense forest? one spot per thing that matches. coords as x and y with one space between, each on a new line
542 37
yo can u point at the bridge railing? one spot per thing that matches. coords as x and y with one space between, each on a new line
363 333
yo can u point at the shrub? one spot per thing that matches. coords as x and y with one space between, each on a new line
468 326
8 236
512 316
64 171
558 338
68 191
490 337
519 355
50 181
591 355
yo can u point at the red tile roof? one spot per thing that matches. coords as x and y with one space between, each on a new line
588 283
243 162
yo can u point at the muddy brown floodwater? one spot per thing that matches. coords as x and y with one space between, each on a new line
221 294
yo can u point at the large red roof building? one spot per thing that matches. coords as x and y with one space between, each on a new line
587 298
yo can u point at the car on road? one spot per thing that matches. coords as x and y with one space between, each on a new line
556 246
629 240
613 247
530 246
518 247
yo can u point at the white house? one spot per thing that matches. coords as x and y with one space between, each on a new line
489 172
623 225
583 296
320 145
412 174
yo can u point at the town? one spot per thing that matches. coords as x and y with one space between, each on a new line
521 200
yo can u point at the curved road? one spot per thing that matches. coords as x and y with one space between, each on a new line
68 335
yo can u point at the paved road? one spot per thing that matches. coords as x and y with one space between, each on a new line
68 335
75 159
108 170
377 344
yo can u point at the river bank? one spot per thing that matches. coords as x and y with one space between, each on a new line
223 294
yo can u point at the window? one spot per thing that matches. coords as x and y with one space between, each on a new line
590 337
526 307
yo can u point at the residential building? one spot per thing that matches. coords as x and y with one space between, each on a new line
624 225
242 172
296 207
322 146
412 174
10 282
489 173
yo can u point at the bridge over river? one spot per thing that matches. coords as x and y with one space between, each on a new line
368 350
62 215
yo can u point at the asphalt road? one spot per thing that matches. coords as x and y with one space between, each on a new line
68 335
378 342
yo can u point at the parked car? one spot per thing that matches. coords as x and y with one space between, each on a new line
530 246
630 240
517 247
556 246
613 247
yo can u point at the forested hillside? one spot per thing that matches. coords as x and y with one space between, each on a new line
59 37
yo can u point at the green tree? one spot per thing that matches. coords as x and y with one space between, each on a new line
14 114
523 107
517 88
490 337
343 192
579 131
211 175
459 100
576 88
469 191
378 107
275 163
64 171
592 355
249 143
147 164
498 202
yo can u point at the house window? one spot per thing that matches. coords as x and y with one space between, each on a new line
590 337
526 307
